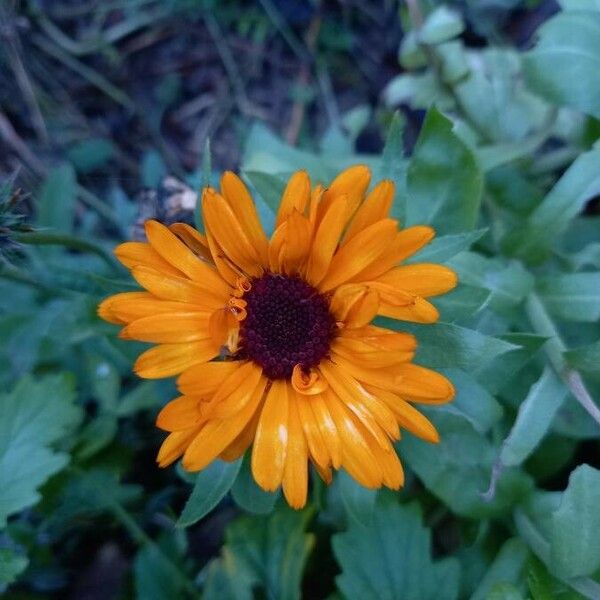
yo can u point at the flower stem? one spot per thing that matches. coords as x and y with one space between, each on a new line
68 241
555 347
142 538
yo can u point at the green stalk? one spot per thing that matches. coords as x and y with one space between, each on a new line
554 348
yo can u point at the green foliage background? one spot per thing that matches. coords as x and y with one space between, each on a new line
506 167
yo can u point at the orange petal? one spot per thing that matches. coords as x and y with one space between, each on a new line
352 184
174 446
236 391
382 338
224 329
408 416
179 289
308 384
216 435
420 311
421 279
204 379
193 239
173 250
374 415
135 254
376 207
423 385
182 413
295 196
224 225
295 471
316 443
364 249
329 432
384 378
366 356
355 305
129 306
171 359
243 441
169 328
407 242
357 457
325 241
270 443
237 195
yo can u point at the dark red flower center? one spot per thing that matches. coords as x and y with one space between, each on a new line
287 324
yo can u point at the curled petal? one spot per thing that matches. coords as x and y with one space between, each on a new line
310 383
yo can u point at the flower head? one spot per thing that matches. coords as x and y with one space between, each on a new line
273 340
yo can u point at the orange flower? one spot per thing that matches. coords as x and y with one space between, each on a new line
273 339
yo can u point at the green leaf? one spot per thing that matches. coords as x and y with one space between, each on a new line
564 66
507 567
550 219
393 165
497 375
56 208
358 501
444 181
574 540
441 249
248 495
12 564
534 418
445 345
212 483
508 281
463 302
573 297
392 558
585 359
156 577
441 25
92 154
457 470
153 169
473 401
266 552
33 417
270 187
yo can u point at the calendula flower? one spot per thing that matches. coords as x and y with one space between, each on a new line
273 339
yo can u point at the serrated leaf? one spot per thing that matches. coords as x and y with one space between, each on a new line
391 558
497 375
550 219
574 540
56 207
564 66
573 296
212 483
508 282
463 302
444 183
507 567
534 418
473 401
155 574
33 417
358 501
248 495
443 248
444 345
457 470
266 552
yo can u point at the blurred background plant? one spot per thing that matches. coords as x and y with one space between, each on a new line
485 113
